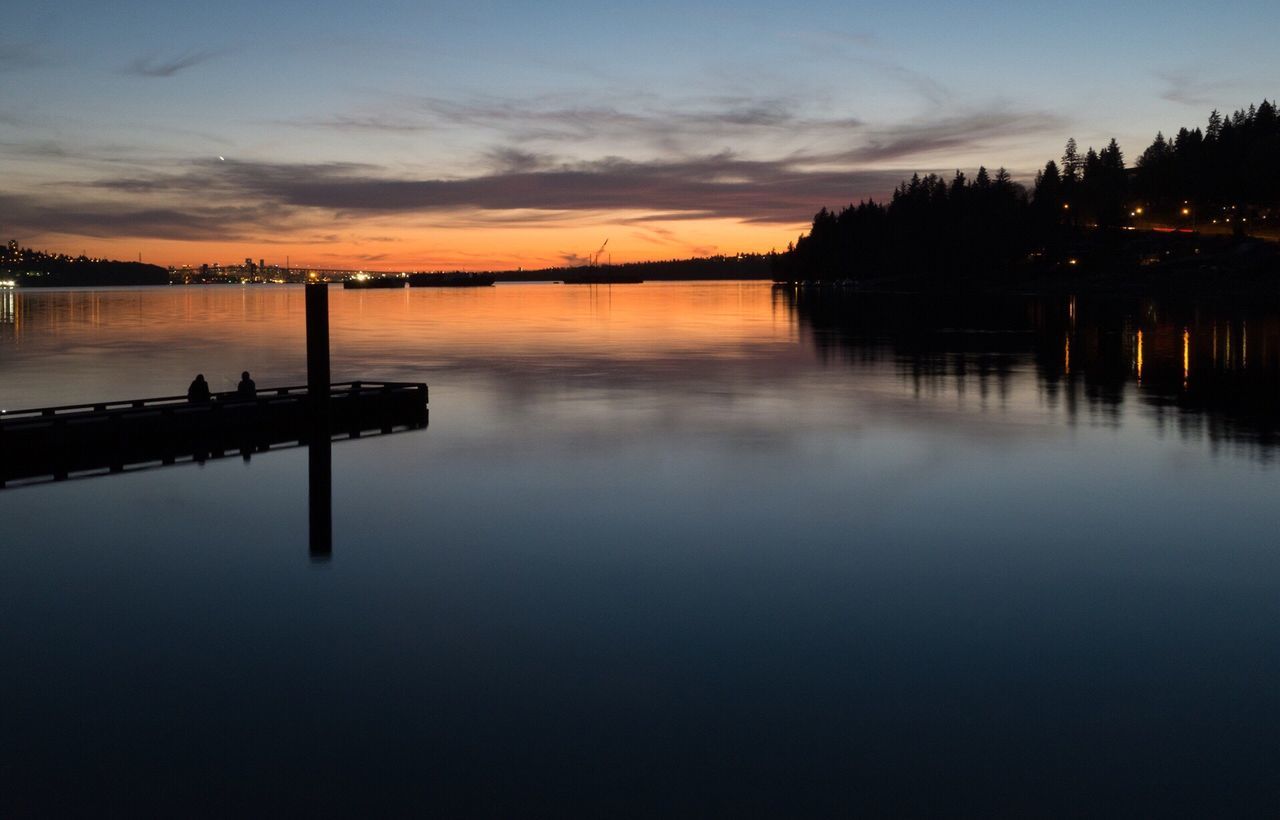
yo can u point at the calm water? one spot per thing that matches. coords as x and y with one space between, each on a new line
664 549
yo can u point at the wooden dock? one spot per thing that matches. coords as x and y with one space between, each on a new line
107 437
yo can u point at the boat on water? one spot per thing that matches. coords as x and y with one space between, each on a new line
451 280
602 279
363 281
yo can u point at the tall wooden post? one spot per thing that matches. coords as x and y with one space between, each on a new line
318 349
319 461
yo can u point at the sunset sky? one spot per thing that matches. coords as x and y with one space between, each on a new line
425 135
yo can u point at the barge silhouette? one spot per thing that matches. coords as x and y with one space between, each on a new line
373 282
451 280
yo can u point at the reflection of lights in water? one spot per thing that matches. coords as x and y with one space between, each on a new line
1139 362
1066 348
8 315
1186 355
1244 345
1228 344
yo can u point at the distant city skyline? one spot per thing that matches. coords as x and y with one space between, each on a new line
502 135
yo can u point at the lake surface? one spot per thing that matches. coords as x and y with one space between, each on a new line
664 549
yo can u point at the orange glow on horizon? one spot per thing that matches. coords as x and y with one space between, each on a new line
481 242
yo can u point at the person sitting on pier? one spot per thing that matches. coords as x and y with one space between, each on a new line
198 392
246 389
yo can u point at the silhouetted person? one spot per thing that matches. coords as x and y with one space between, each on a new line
246 389
198 392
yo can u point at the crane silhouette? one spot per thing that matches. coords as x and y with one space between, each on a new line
595 257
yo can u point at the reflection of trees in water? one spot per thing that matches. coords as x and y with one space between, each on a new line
1202 370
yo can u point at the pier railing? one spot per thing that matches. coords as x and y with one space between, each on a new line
111 436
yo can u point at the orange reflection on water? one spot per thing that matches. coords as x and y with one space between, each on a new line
1139 363
1186 355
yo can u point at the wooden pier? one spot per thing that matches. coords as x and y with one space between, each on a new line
106 437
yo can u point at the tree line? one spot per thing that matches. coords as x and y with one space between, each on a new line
936 228
32 268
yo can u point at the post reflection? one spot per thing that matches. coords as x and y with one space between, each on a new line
320 497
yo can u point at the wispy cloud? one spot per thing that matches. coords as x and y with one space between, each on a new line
852 48
365 123
44 214
15 56
155 65
637 123
1188 87
515 184
714 186
949 135
722 118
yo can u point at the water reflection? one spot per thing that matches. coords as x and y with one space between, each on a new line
680 550
1095 354
8 314
320 497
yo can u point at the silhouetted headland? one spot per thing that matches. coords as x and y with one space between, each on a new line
1192 217
32 268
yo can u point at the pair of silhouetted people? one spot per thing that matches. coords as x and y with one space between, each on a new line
198 392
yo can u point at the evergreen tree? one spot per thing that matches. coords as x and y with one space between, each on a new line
1072 165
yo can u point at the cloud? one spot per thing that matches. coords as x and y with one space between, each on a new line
43 214
851 47
18 56
514 160
682 126
1193 88
156 66
550 119
514 185
568 259
715 186
384 123
953 134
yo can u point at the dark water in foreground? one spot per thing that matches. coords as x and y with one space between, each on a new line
664 549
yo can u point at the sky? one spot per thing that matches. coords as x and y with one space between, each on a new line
492 135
